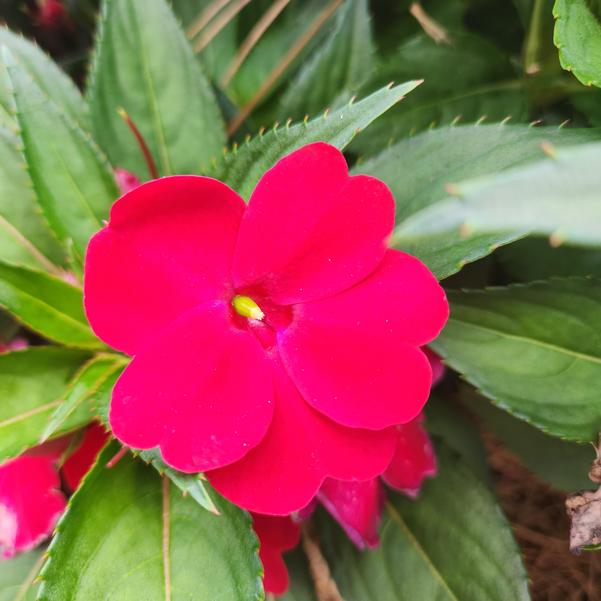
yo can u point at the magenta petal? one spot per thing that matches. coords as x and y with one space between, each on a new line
311 230
436 364
202 392
30 502
413 461
356 506
126 181
301 448
79 462
167 248
276 534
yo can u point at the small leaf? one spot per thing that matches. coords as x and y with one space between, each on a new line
532 349
452 544
47 305
17 576
338 68
242 168
189 484
32 385
83 386
144 64
527 199
578 37
161 546
73 183
417 169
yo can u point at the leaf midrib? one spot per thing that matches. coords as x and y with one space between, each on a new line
533 341
396 517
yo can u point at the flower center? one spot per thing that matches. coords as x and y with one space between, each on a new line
246 307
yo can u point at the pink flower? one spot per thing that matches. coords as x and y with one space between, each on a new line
275 343
30 501
126 181
77 465
16 344
276 535
438 367
50 14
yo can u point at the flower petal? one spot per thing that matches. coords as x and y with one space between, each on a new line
311 230
167 248
353 356
83 457
301 448
356 506
201 391
276 535
414 459
438 367
30 502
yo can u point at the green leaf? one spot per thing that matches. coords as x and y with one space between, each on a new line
484 87
144 64
450 422
301 587
534 350
43 70
25 236
561 463
535 259
578 37
242 168
337 69
74 185
128 534
452 544
32 385
17 576
419 168
47 305
82 387
189 484
531 198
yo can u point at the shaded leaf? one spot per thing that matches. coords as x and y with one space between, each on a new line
534 349
338 68
484 86
162 545
32 385
163 91
559 462
242 168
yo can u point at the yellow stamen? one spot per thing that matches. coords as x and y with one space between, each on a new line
246 306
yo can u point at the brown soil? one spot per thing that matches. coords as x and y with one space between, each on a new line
537 514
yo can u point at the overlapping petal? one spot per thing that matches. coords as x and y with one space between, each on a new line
168 247
310 230
30 502
276 534
414 459
301 448
353 356
356 506
79 462
202 391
